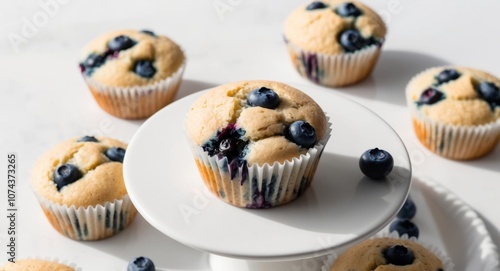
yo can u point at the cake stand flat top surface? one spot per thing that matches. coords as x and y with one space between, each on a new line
341 207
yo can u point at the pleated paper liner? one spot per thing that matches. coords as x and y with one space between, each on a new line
90 223
335 70
136 102
456 142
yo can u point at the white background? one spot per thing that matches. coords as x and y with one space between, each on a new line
43 99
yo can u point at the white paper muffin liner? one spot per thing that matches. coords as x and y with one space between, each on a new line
447 263
335 70
136 102
91 223
453 141
264 186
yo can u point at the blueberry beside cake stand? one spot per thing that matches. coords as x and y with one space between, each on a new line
341 207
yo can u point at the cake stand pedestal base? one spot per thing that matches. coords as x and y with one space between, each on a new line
220 263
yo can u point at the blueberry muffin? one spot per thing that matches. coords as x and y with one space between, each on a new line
334 43
35 265
80 187
257 143
390 254
455 111
132 74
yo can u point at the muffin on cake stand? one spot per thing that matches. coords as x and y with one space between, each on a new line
341 208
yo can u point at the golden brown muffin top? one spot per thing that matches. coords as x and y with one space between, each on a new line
117 70
35 265
101 178
369 256
460 103
318 30
263 128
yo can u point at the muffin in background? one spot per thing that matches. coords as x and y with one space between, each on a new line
455 111
35 265
257 143
392 252
79 185
132 74
334 43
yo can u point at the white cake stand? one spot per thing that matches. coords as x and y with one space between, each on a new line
340 208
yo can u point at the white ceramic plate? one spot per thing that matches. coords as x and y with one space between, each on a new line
340 208
453 226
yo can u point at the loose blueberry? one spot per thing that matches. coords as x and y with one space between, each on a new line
149 32
408 210
115 154
489 92
301 133
144 68
348 9
88 139
351 40
376 163
93 61
66 174
399 255
447 75
404 227
316 5
120 43
263 97
430 96
141 264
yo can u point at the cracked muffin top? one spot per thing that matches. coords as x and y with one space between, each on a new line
256 121
84 171
35 265
456 95
334 27
128 58
387 254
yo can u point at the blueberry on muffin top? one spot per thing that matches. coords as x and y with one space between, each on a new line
81 172
387 254
256 122
456 95
334 27
129 58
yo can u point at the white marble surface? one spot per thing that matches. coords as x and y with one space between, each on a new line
43 99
